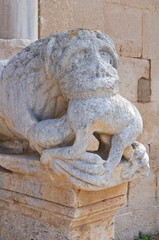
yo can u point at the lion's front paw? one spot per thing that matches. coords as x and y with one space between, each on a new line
90 163
108 170
92 158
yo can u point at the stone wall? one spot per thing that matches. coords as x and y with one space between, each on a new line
133 25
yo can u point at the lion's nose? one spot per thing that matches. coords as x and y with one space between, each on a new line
101 71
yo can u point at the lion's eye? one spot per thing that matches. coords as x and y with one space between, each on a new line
105 56
78 59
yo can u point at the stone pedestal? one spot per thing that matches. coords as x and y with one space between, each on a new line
33 206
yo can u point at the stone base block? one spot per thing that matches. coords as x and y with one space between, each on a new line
36 208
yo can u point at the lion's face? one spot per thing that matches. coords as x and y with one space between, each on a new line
86 65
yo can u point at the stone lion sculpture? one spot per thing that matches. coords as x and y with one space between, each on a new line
59 91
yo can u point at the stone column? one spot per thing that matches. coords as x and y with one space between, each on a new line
19 19
18 25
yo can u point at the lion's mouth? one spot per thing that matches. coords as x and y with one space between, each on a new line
111 91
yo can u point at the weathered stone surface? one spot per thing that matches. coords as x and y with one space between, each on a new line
149 111
158 191
155 80
86 14
144 90
157 221
124 25
21 227
122 173
150 35
129 224
73 14
142 193
148 223
154 153
130 71
141 198
112 1
42 188
45 211
94 106
123 226
53 16
10 47
152 5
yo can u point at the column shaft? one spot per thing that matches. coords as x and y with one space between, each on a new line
19 19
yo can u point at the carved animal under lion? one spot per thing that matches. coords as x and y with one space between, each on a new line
58 92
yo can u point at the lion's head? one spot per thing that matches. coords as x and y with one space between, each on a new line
84 62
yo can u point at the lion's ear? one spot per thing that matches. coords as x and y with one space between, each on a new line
51 46
43 53
46 56
46 49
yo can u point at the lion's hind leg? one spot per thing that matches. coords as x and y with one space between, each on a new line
70 152
51 132
79 164
120 141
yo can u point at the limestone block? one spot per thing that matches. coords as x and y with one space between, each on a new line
86 14
158 191
155 80
142 193
141 198
132 222
123 226
130 71
157 221
124 209
149 111
112 1
146 221
53 16
20 227
153 4
144 90
28 177
150 35
124 25
154 156
37 208
20 164
10 47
